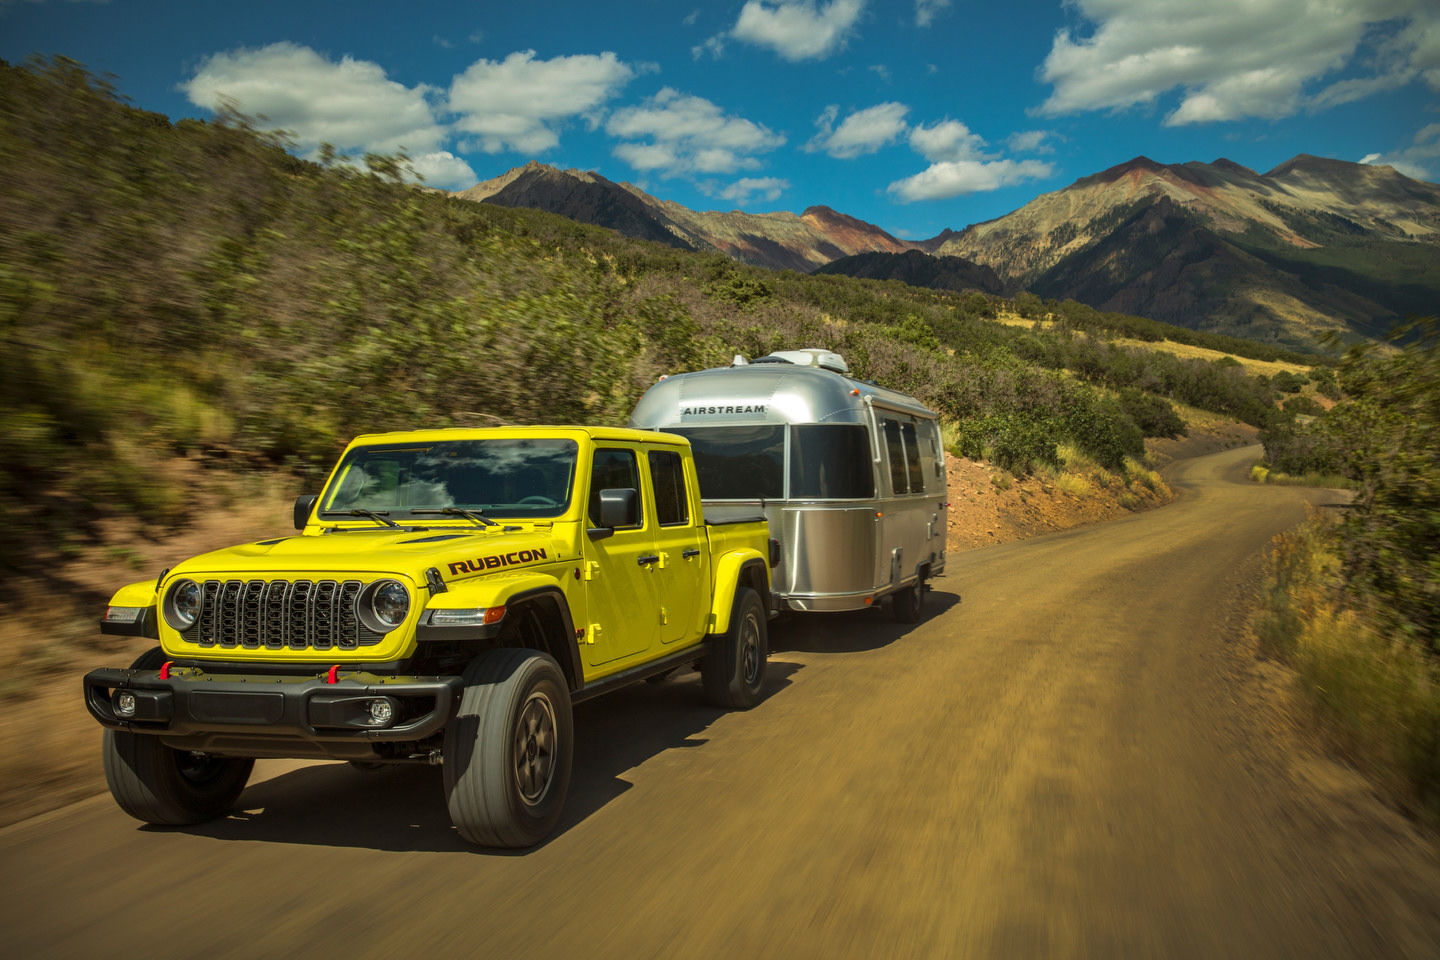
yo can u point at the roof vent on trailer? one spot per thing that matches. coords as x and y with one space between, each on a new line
811 357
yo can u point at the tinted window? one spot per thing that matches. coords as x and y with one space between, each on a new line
912 458
738 463
831 461
930 432
667 474
613 470
895 454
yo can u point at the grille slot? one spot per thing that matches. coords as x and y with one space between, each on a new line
281 614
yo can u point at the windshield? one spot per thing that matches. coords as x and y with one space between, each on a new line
518 478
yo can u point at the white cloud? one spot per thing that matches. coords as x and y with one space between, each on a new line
1030 141
953 178
443 169
676 134
1420 160
947 141
927 10
519 102
746 189
1237 58
351 104
794 29
864 131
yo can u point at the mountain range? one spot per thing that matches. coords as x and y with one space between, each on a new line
1314 245
780 241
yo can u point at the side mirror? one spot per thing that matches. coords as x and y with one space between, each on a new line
620 508
303 506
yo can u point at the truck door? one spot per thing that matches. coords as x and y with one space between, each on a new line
682 573
622 598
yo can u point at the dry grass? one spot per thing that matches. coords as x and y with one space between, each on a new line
1185 351
1376 695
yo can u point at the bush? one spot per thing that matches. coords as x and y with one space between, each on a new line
1154 416
1018 445
1287 382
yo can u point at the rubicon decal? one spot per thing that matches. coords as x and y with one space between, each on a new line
731 408
495 561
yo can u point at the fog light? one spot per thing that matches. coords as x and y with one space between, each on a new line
382 712
125 703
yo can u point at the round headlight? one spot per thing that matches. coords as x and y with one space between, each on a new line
389 602
182 604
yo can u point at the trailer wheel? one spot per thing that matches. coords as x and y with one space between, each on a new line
907 603
508 749
733 673
156 784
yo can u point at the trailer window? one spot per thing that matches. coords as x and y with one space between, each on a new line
831 461
912 458
895 455
738 463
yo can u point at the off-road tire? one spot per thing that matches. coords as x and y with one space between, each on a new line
508 749
907 605
158 785
733 673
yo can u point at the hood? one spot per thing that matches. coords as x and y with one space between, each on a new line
455 551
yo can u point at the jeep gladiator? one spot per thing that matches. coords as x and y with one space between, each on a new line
449 596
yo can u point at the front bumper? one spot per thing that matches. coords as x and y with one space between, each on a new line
202 709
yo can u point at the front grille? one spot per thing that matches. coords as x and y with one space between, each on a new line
280 615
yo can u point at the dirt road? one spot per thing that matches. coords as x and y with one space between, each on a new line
1076 760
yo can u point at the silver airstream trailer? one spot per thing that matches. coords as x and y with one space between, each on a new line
850 475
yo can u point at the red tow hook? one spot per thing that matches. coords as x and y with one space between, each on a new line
330 677
165 669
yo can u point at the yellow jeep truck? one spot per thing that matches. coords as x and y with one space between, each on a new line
449 596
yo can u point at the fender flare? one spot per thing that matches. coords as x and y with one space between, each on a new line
511 592
731 571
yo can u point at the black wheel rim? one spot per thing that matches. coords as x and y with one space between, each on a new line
535 734
198 768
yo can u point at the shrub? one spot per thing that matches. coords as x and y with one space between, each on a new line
1153 415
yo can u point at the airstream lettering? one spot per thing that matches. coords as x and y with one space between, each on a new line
850 475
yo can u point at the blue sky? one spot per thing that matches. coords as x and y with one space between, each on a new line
916 115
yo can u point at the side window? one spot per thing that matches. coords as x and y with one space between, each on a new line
895 454
931 430
612 470
912 458
667 476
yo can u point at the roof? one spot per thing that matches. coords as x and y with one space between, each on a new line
571 431
765 393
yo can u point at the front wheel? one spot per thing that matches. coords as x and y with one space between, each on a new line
508 749
159 785
733 673
172 788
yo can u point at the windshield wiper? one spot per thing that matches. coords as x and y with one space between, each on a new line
379 516
459 512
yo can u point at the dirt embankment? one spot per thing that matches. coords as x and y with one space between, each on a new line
989 506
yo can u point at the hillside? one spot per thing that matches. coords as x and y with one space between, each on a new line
185 305
919 270
1314 245
780 241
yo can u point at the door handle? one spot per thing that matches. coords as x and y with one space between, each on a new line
692 552
644 561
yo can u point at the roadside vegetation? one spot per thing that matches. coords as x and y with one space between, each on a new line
1354 603
191 292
